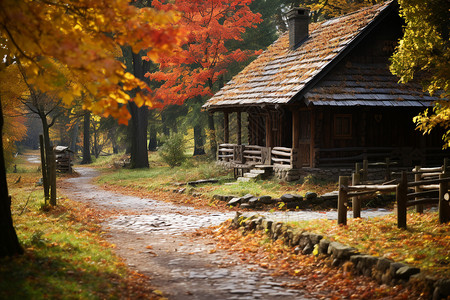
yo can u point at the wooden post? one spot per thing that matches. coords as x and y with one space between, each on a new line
312 140
226 128
444 200
52 177
418 177
44 169
365 173
295 128
356 201
269 133
401 195
239 128
387 175
342 200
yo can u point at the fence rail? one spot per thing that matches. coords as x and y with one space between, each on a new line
415 193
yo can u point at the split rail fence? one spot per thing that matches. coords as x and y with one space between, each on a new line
430 186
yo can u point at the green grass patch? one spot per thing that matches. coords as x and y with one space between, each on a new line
424 244
160 177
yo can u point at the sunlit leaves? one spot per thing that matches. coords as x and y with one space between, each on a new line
425 48
84 37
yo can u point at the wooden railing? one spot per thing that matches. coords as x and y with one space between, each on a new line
284 157
254 155
225 152
243 154
425 189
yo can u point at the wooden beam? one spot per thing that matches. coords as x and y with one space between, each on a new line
295 128
226 128
312 154
239 128
269 134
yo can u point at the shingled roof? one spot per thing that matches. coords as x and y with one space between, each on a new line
280 75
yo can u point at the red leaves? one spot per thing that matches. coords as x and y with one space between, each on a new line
193 70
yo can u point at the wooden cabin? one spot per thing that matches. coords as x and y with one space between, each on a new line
322 97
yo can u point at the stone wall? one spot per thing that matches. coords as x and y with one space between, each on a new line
383 270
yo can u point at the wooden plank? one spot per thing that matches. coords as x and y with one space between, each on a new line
281 160
226 150
256 152
372 187
281 153
429 182
423 201
282 149
422 193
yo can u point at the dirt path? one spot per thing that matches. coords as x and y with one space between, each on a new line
158 239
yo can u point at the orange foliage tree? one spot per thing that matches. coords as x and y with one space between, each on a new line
83 36
14 129
193 70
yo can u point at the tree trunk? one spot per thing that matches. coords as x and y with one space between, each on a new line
44 169
212 129
212 136
9 243
152 142
139 124
49 158
165 128
74 138
86 139
198 141
96 149
139 154
113 136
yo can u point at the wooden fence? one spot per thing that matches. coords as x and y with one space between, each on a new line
430 186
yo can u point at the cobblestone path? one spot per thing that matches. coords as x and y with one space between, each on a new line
158 239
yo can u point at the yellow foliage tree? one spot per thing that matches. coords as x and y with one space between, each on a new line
81 35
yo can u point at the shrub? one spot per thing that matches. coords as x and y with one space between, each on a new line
172 151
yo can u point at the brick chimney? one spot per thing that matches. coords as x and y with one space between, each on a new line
298 22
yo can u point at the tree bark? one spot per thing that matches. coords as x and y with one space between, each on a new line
139 117
212 136
49 157
86 139
139 154
198 141
153 141
9 243
74 138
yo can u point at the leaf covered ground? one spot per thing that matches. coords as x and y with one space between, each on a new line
425 243
65 253
314 274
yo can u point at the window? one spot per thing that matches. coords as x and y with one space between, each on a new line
342 126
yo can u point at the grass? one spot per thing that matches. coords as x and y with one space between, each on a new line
66 256
424 244
160 177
